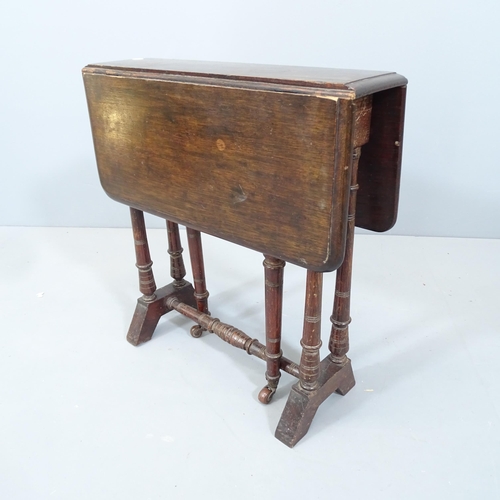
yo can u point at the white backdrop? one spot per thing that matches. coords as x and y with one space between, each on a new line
448 49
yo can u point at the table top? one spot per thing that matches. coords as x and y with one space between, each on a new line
257 155
348 82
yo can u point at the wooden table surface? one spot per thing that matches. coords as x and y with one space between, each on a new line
255 154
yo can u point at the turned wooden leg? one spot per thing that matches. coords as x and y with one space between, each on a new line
339 337
177 269
144 263
152 305
335 373
273 274
145 318
305 396
200 291
311 335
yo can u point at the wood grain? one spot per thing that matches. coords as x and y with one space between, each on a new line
380 163
353 82
273 284
229 162
177 268
267 157
311 334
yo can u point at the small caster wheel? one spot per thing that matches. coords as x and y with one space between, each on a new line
266 394
196 331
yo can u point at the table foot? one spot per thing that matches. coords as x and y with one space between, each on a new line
302 405
347 382
148 312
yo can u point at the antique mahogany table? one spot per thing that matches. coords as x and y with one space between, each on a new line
282 160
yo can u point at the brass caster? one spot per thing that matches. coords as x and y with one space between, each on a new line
196 331
266 394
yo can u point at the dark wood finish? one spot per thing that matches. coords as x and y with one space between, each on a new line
311 335
340 318
380 164
144 263
229 334
302 405
266 157
177 269
339 337
158 82
151 306
273 279
353 83
335 374
148 312
257 157
198 266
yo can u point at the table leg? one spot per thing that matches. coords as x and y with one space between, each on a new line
200 290
177 269
273 274
339 337
145 318
144 263
335 373
152 305
305 396
311 335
